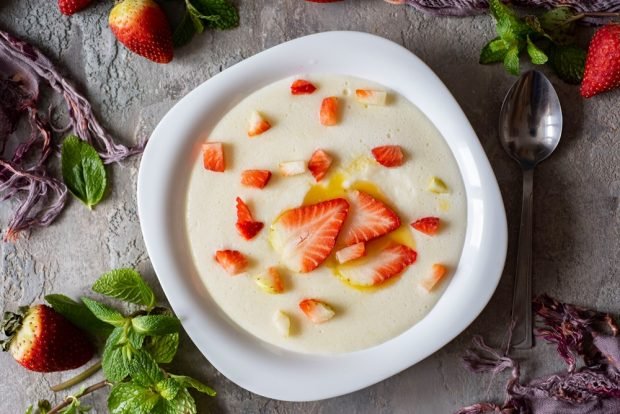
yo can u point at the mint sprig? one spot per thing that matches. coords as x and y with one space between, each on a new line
204 14
135 345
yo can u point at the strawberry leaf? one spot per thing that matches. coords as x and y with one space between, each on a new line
162 348
104 312
127 285
538 56
78 314
132 398
83 171
155 325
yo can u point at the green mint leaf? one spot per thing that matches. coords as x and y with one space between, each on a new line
568 62
83 171
538 56
104 312
183 403
494 51
184 32
131 398
162 348
511 61
78 314
43 407
216 14
135 339
559 24
127 285
155 325
195 17
168 388
190 382
75 407
508 25
144 370
114 361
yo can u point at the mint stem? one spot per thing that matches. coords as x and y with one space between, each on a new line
70 398
77 379
593 14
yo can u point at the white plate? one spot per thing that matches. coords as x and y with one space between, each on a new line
249 362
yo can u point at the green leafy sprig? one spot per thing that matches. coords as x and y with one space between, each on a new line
135 345
204 14
83 171
547 38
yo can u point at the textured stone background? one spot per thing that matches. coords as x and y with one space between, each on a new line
577 191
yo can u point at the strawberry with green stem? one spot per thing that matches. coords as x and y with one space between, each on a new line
602 71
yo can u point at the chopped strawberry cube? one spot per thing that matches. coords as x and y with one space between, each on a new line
379 268
319 164
438 272
427 225
371 97
258 124
368 219
330 111
282 322
302 87
247 227
352 252
255 178
316 311
289 168
213 156
270 282
232 261
388 155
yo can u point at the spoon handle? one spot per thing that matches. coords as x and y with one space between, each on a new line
522 299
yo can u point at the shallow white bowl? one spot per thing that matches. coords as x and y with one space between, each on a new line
249 362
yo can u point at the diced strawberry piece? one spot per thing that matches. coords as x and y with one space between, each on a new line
305 236
270 282
369 218
247 227
371 97
302 87
388 155
319 164
255 178
258 124
437 274
355 251
213 156
330 111
316 311
290 168
388 263
232 261
282 322
427 225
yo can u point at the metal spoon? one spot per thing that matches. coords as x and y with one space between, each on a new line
530 127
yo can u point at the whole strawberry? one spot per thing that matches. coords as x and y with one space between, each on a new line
69 7
42 340
603 62
142 26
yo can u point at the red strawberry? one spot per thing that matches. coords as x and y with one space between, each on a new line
69 7
302 87
602 72
438 272
142 26
388 263
255 178
355 251
305 236
369 219
42 340
213 156
388 155
258 124
316 311
329 111
246 226
427 225
319 164
232 261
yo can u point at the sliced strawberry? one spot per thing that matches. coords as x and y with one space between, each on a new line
247 227
305 236
258 124
355 251
371 97
233 261
319 164
255 178
289 168
386 264
213 156
427 225
437 273
316 311
388 155
369 219
330 111
270 281
282 322
302 87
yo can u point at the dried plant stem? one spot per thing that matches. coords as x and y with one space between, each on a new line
78 378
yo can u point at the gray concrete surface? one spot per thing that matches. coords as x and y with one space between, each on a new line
577 191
